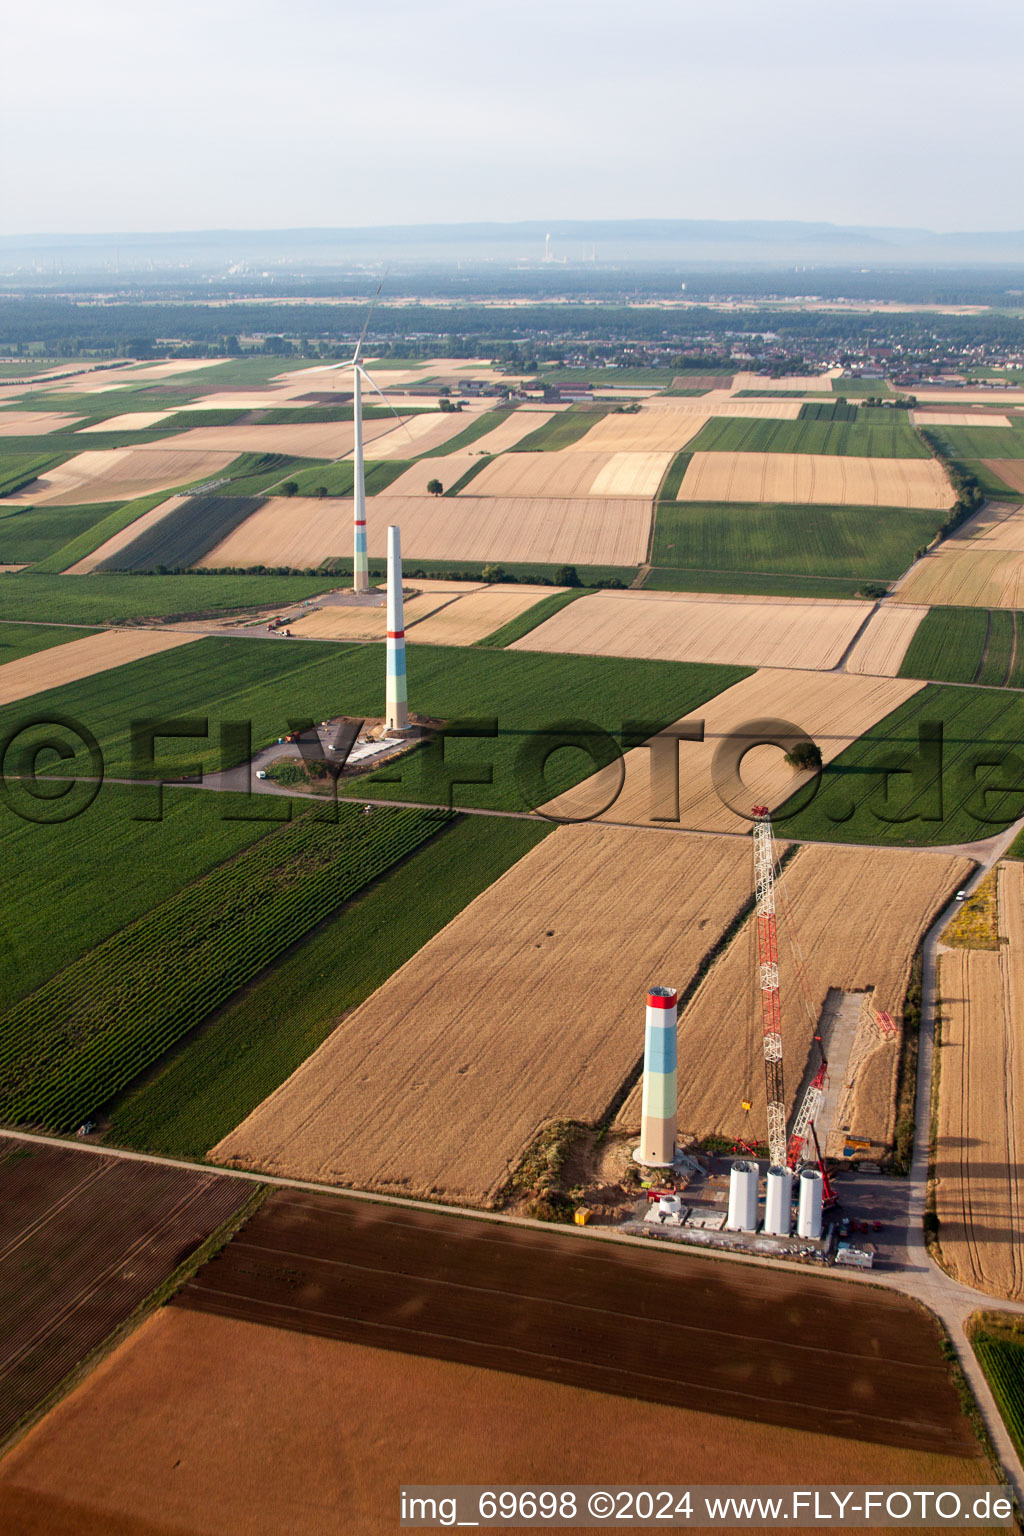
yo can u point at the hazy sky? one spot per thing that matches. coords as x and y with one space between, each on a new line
124 115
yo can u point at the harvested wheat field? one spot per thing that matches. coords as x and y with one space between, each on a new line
811 384
958 419
833 708
131 421
651 430
411 1094
304 531
344 622
991 397
836 896
34 423
119 541
119 474
883 645
415 434
806 478
304 439
683 626
965 578
571 474
293 1432
414 480
476 615
62 664
979 1195
510 428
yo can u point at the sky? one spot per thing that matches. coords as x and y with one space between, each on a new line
218 114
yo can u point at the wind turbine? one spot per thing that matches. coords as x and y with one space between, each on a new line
360 569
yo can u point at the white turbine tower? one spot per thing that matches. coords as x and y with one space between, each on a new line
360 569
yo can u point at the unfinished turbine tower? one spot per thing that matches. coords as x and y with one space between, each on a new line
396 707
657 1147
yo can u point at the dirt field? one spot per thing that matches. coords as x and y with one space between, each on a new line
1010 472
131 421
979 1198
982 565
958 419
343 623
671 626
883 645
476 615
62 664
571 474
304 531
410 1094
808 478
119 474
835 895
128 535
832 707
348 1426
34 423
85 1240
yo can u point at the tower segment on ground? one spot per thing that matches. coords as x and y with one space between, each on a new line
768 968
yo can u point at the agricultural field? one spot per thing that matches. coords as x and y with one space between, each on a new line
967 645
860 431
345 622
451 1107
185 958
880 650
86 1239
896 787
30 534
34 423
109 599
1010 472
996 1340
478 615
21 640
183 530
834 896
219 1074
19 470
420 1420
572 474
752 538
793 383
979 1200
980 441
741 631
834 709
959 419
812 479
47 668
980 566
749 583
119 474
338 479
470 529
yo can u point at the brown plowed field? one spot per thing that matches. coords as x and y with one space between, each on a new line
834 896
671 626
816 479
84 1240
293 1432
527 1008
1010 472
834 708
303 531
883 645
979 1196
741 1342
61 664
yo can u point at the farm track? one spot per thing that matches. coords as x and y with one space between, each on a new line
551 1307
85 1246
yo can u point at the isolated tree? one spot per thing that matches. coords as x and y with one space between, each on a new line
567 576
435 488
289 488
805 754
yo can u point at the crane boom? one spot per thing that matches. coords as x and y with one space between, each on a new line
768 964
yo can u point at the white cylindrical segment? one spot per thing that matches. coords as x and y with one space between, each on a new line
778 1200
657 1147
808 1219
396 707
360 568
743 1197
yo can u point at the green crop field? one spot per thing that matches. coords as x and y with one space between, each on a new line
106 599
752 583
338 479
252 473
83 1036
669 488
561 431
28 534
220 1072
981 442
875 432
888 788
18 470
113 517
17 640
968 645
530 696
879 542
185 534
861 389
79 881
516 628
472 570
1002 1360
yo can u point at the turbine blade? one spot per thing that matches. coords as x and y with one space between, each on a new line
369 317
400 419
